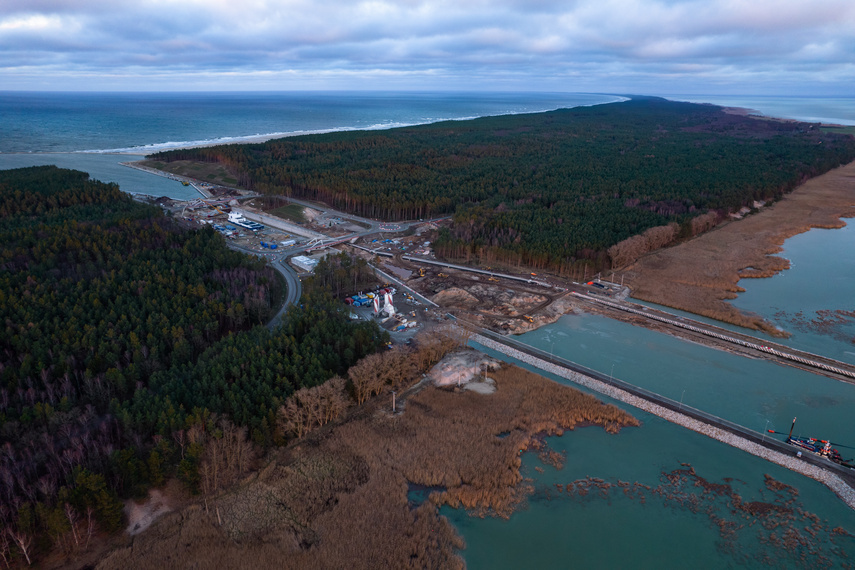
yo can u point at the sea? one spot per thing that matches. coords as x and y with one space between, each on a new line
95 132
657 496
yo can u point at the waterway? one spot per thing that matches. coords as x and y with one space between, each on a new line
656 527
106 168
815 298
612 530
608 529
648 529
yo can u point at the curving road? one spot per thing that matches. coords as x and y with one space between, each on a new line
294 289
293 286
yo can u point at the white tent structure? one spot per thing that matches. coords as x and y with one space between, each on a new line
389 308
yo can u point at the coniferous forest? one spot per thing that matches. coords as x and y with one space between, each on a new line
133 350
547 190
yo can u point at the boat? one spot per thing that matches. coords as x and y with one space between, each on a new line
821 447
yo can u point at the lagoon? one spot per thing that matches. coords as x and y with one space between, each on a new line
815 298
612 530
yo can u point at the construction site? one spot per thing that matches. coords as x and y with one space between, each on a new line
420 289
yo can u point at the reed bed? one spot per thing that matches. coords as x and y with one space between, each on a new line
339 498
700 275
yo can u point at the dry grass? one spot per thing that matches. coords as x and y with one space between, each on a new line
701 274
339 498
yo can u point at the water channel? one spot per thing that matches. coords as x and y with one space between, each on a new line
607 528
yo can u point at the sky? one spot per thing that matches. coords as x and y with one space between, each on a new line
772 47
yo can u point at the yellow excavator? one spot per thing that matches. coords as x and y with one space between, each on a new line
421 271
491 278
529 319
441 275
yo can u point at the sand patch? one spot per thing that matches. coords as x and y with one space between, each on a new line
463 367
485 386
140 516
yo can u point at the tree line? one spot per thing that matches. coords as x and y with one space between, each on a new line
132 351
548 190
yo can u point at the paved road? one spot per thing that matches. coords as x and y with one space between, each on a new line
293 286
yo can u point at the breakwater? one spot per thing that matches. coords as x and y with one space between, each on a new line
839 479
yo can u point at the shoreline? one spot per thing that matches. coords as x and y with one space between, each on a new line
264 137
757 114
702 274
261 138
835 483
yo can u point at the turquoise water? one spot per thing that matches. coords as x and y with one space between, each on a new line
807 300
556 531
106 168
142 123
746 391
613 530
648 529
812 298
93 132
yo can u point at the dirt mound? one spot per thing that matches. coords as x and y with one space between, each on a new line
455 297
461 367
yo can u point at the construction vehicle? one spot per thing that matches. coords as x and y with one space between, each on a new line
442 275
534 274
528 318
421 271
491 278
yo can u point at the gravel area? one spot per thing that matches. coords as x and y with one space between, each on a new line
832 481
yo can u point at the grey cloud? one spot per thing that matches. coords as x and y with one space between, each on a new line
501 40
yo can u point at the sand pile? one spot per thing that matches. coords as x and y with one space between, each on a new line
465 367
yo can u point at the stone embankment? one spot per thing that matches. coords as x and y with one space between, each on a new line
831 480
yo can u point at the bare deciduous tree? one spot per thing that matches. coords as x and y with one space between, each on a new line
630 249
73 520
228 454
313 407
23 541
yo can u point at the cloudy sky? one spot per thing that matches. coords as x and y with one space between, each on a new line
639 46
